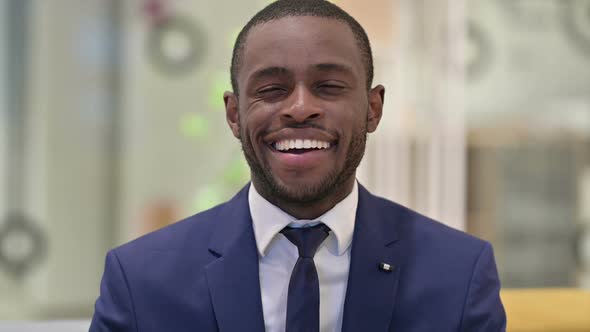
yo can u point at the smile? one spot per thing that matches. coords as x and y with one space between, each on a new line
300 145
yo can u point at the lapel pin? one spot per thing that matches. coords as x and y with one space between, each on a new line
386 267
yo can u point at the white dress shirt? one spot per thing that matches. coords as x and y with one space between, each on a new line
277 257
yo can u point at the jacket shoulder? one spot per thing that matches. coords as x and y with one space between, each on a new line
190 233
426 232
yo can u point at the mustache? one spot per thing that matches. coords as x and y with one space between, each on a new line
302 125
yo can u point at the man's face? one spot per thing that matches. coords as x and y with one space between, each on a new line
303 111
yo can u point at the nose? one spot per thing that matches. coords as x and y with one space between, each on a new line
303 106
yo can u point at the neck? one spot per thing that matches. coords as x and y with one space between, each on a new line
311 209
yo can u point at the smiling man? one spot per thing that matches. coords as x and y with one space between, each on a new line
304 247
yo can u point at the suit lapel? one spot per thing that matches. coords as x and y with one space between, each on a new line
371 291
233 278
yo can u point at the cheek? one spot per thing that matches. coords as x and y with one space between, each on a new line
251 129
352 126
352 119
258 120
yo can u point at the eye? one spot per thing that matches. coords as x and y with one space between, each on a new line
330 88
270 91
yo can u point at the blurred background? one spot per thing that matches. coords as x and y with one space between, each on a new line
112 125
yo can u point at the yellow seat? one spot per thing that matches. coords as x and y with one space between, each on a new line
547 310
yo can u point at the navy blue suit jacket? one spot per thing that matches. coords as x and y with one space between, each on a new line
201 274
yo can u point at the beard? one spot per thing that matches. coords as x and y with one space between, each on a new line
331 184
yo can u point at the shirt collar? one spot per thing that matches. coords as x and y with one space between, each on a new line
268 220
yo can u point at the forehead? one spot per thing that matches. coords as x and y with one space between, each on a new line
296 43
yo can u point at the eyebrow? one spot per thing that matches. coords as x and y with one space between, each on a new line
334 67
282 71
268 72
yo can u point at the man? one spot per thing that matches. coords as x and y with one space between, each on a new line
303 247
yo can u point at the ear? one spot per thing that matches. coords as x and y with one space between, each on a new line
376 99
232 115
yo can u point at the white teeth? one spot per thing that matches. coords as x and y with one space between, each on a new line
289 144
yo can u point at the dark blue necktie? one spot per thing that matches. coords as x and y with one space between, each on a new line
303 302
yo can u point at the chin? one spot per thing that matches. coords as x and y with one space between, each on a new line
296 190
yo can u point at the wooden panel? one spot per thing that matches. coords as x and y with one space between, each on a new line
547 310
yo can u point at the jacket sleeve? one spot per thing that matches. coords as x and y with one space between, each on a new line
114 309
483 310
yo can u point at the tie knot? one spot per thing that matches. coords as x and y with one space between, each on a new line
307 239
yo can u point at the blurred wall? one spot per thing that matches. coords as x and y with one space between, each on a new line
3 102
528 115
66 165
178 156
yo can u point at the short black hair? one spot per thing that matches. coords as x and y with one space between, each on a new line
293 8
